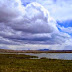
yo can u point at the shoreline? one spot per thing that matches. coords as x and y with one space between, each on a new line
34 51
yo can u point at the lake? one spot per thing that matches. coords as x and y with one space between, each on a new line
64 56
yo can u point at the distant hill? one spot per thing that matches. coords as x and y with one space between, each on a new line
43 49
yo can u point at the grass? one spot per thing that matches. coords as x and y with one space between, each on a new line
23 63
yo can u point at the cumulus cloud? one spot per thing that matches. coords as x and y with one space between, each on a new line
30 24
59 9
35 20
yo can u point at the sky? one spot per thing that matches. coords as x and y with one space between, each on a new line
36 24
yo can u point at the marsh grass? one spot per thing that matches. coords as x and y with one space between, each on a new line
23 63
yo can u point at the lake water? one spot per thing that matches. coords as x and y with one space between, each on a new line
65 56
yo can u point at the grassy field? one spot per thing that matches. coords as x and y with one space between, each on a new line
23 63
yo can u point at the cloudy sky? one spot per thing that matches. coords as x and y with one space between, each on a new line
36 24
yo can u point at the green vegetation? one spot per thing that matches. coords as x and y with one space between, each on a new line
23 63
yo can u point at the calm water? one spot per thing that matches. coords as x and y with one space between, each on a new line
65 56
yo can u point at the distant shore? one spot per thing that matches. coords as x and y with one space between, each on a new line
34 51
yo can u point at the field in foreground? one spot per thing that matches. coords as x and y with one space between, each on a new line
23 63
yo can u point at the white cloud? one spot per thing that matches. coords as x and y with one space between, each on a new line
66 30
59 9
35 20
